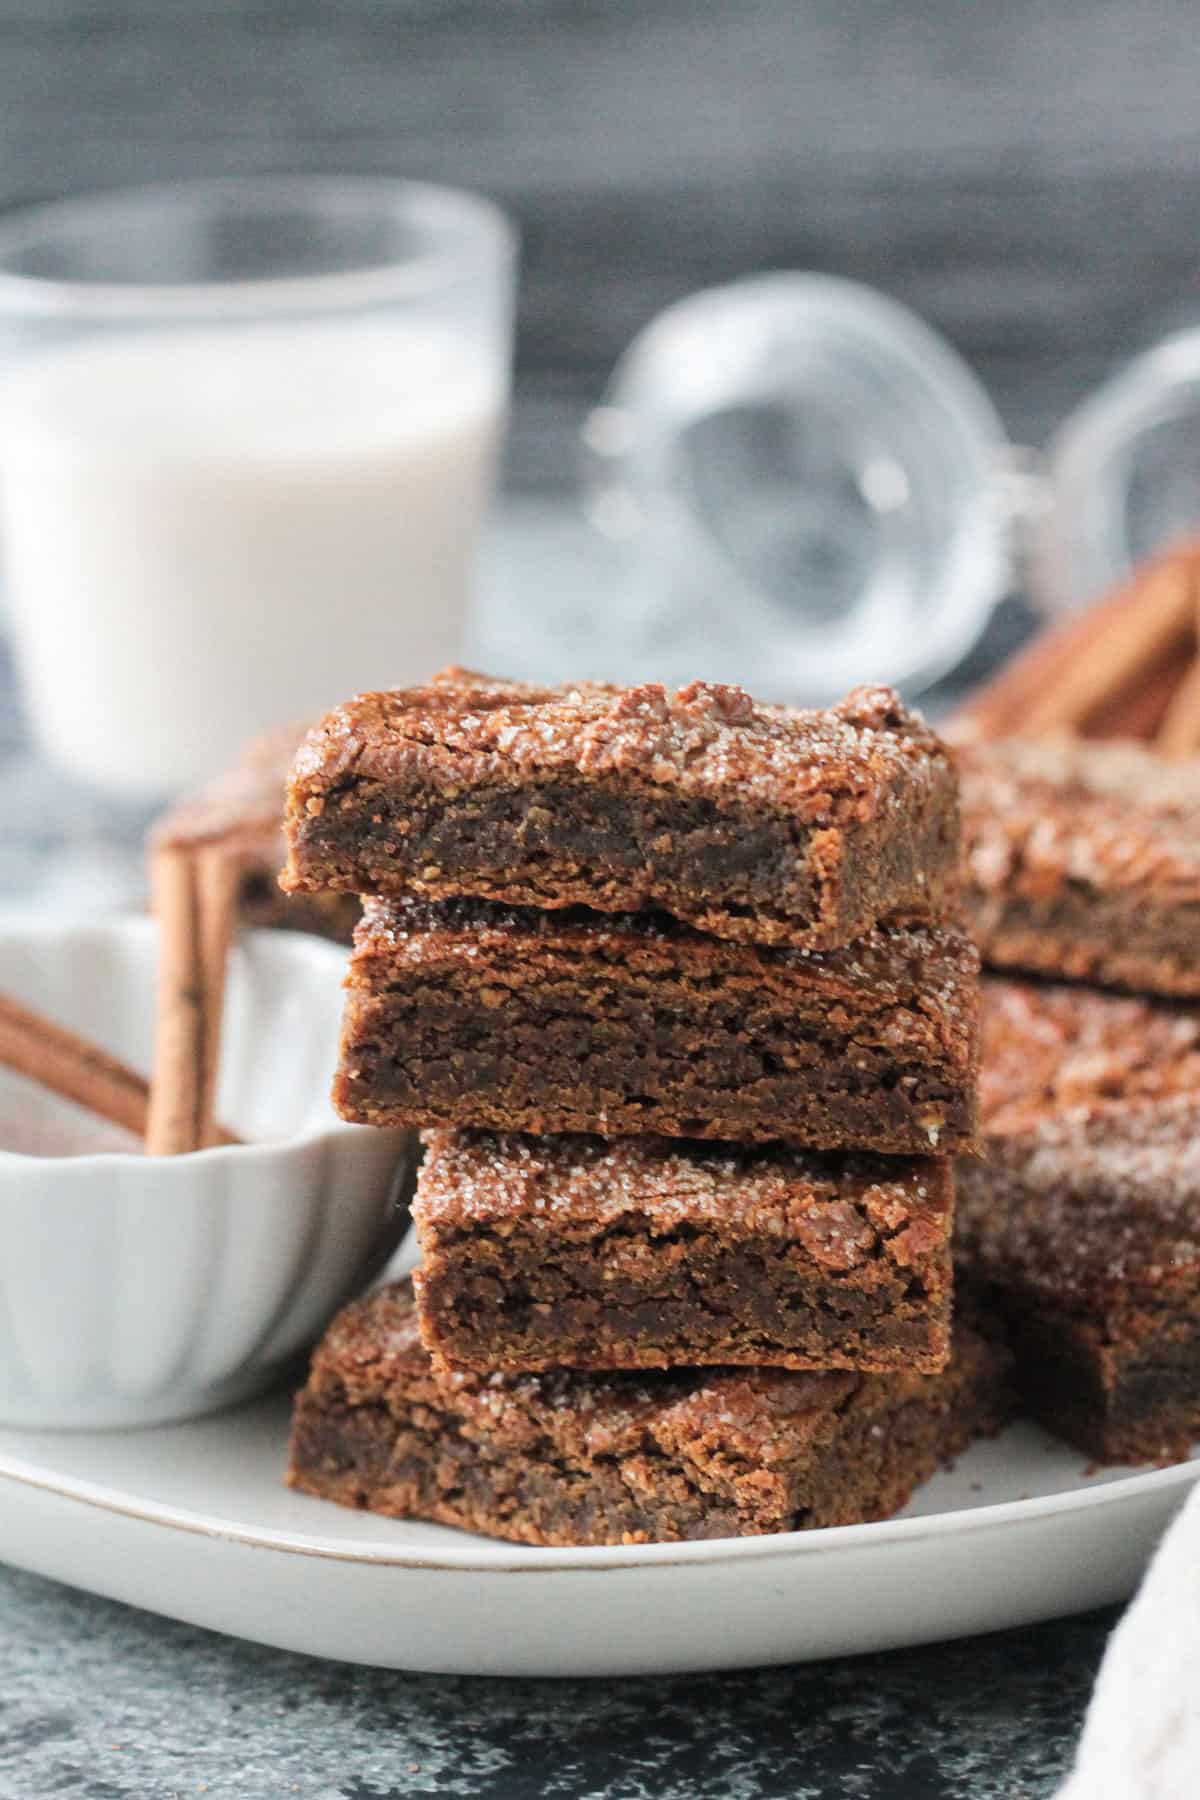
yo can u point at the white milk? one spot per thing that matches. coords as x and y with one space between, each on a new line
207 532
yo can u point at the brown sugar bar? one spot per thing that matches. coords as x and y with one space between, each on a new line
643 1253
1082 860
1049 1047
1081 1224
570 1458
757 823
510 1019
240 812
1083 1234
1120 1382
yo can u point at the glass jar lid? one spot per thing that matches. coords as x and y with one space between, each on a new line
807 477
1122 477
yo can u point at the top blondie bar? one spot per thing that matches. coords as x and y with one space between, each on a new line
1082 861
753 822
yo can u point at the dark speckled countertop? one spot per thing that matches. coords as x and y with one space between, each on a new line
100 1702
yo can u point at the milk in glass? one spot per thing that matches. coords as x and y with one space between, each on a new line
208 531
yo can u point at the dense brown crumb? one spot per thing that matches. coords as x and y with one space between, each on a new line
1119 1380
753 822
562 1458
646 1253
509 1018
1084 1205
1082 860
1082 1220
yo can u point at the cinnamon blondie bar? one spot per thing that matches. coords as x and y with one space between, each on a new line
641 1253
565 1458
507 1018
753 822
1082 861
1081 1223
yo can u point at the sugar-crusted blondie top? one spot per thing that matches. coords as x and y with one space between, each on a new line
1101 1201
1049 1048
844 1209
1108 814
1083 859
707 739
754 821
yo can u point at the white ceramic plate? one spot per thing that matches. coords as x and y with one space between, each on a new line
192 1521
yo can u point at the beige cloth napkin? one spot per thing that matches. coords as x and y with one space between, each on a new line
1141 1738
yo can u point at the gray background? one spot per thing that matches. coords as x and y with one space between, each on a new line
1027 176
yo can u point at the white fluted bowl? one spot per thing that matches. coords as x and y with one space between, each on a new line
137 1289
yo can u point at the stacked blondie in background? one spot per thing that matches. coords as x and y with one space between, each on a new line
674 987
1081 1223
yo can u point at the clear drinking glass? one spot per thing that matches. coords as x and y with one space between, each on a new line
248 432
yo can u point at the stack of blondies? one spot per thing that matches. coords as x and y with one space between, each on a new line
674 987
1082 1222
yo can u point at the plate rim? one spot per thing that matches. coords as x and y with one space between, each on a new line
503 1558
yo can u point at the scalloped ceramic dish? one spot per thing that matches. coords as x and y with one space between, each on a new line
140 1289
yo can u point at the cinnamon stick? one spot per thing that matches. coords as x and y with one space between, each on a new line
1138 711
1136 638
1069 677
997 709
217 874
1179 732
193 893
70 1066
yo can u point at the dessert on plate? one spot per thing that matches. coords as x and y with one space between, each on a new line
759 823
634 1458
676 986
1081 1222
659 1253
467 1012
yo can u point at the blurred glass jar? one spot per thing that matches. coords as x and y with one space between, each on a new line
814 489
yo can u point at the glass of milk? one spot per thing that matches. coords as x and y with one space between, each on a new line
248 431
